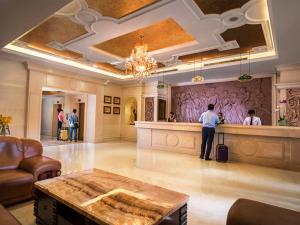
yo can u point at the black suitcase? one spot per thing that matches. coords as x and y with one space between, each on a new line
221 150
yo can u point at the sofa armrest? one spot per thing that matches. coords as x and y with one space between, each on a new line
41 165
248 212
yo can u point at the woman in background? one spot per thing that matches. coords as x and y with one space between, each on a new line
60 121
172 117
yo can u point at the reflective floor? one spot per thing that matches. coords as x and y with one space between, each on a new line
212 186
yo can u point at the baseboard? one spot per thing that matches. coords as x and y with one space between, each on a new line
109 139
131 139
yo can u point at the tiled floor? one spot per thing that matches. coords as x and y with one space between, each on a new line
212 186
52 141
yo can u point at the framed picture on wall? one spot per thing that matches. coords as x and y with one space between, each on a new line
107 109
117 101
107 99
116 110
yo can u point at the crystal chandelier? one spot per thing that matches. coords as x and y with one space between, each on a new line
140 64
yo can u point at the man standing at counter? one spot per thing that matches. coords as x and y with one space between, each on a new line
208 119
252 119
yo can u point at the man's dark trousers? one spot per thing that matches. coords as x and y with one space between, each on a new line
207 140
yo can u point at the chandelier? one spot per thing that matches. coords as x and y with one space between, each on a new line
140 64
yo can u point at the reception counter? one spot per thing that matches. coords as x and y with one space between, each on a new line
271 146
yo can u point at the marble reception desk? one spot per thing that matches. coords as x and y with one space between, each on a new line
271 146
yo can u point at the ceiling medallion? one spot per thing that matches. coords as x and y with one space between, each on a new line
140 64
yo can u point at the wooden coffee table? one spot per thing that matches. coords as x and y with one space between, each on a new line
99 197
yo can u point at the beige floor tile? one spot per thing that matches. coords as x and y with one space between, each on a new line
212 186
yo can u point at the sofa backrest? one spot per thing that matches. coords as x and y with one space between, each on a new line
31 148
11 152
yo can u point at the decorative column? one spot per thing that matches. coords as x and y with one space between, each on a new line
34 104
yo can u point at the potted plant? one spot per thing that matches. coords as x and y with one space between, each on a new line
282 113
4 125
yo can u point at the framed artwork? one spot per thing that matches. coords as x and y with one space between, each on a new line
107 109
117 101
107 99
116 110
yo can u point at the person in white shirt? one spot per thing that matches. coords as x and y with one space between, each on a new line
252 119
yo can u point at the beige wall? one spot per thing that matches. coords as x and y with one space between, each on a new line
112 122
13 81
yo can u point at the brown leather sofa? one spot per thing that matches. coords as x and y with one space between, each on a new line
248 212
21 164
6 218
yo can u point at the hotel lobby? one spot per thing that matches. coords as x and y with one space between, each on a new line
150 112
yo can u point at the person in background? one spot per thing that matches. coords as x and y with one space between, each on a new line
73 126
221 118
60 121
172 117
252 119
209 120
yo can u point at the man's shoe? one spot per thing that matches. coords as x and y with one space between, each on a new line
201 157
208 159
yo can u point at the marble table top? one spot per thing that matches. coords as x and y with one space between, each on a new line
113 199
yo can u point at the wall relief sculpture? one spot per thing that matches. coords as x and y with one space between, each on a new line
293 107
149 109
232 98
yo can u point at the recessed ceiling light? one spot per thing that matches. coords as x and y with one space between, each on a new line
233 19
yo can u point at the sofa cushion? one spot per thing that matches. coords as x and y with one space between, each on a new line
15 184
7 218
11 152
31 147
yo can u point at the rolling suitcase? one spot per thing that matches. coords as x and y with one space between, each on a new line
221 150
64 136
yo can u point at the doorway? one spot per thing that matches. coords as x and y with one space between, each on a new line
81 121
52 100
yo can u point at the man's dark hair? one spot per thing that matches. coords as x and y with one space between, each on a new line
210 107
251 111
74 110
59 110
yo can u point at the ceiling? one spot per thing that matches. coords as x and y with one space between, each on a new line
100 34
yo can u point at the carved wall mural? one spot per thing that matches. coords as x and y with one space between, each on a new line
293 107
149 109
232 98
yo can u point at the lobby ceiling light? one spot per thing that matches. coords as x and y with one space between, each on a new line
197 78
27 51
246 76
140 64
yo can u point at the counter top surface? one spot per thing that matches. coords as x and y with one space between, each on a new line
272 131
113 199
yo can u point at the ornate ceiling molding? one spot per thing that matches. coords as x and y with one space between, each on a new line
206 29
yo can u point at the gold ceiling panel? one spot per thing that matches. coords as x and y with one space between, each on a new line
219 6
163 34
118 8
108 67
247 36
60 29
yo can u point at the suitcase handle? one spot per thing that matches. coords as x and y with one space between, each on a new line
221 133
